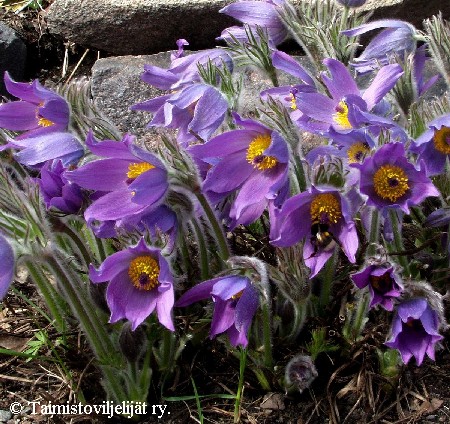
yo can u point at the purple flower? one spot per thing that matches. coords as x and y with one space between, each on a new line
398 38
131 180
38 111
322 214
7 266
139 281
390 180
235 303
383 285
415 330
433 146
351 3
252 161
255 13
348 108
57 191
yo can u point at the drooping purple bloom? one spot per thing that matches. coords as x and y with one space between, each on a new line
399 38
384 285
255 13
347 108
419 60
39 110
7 266
235 303
351 3
324 218
57 191
433 146
132 181
140 280
391 181
415 330
253 162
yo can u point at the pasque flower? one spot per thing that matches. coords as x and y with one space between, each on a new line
255 13
347 108
252 161
235 303
140 280
390 180
131 180
324 218
7 266
433 146
384 285
43 117
415 330
56 190
398 38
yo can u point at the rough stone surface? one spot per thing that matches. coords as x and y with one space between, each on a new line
13 54
116 85
125 27
138 26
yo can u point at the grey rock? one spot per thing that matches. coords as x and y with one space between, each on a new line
116 86
138 27
5 415
13 53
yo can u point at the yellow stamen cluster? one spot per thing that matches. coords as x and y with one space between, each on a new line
390 182
357 152
237 296
293 102
325 208
144 272
441 140
255 153
341 115
136 169
42 122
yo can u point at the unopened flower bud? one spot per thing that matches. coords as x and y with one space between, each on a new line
132 343
300 373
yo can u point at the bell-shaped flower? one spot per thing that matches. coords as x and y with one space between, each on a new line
39 110
253 162
255 13
398 38
384 285
347 108
140 280
57 191
129 179
7 266
391 181
322 217
235 303
433 146
415 330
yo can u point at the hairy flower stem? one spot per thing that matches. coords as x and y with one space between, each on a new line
217 229
398 241
300 313
237 403
327 280
374 234
84 309
202 250
51 297
356 321
299 173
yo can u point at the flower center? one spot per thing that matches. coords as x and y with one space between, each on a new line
341 115
144 272
292 100
42 122
381 284
325 209
390 182
415 324
442 140
255 153
136 169
357 152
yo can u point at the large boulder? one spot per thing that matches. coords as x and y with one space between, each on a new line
13 54
124 27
